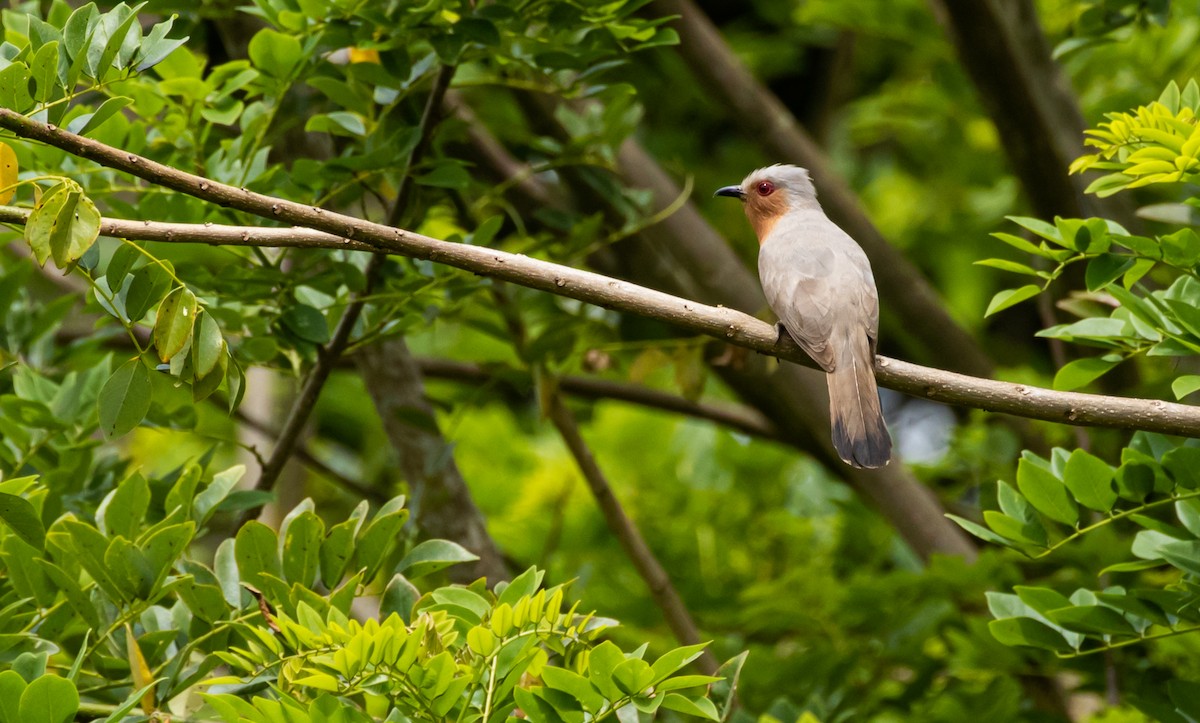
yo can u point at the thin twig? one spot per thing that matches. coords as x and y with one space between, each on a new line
732 326
648 567
311 461
736 416
328 357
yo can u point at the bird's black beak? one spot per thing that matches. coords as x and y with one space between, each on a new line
732 192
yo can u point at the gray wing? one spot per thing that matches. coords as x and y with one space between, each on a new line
818 282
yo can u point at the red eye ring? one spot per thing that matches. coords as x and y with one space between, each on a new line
766 188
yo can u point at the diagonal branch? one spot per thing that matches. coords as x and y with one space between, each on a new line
729 325
648 567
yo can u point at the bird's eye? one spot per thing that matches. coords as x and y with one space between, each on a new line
766 188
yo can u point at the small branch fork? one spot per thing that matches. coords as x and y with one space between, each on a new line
735 327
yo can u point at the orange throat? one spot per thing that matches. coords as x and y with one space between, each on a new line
764 212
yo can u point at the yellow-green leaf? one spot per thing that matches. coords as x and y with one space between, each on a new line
8 173
176 317
142 677
124 399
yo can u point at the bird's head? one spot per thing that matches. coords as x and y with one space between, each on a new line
771 192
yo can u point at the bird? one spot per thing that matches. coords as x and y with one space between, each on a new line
819 283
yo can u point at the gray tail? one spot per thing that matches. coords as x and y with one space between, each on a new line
859 434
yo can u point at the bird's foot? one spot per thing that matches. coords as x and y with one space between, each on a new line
780 332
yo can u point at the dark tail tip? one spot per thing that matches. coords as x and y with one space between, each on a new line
869 450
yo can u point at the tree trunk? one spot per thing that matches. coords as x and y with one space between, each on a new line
441 502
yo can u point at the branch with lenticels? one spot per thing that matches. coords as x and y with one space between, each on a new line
327 229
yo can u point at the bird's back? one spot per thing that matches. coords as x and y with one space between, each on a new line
818 281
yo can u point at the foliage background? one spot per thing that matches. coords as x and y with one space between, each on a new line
771 552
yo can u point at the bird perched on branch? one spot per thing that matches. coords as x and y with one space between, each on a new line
818 282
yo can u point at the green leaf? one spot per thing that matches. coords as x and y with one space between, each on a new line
12 685
1092 619
1090 481
307 323
274 53
164 547
683 682
338 548
157 46
978 530
399 597
603 660
75 30
1029 532
21 517
1006 265
148 285
70 587
1185 385
87 123
1081 372
128 568
205 601
673 660
632 676
1029 633
183 492
1170 97
1183 554
226 569
14 88
207 345
536 708
1046 493
63 225
575 685
1010 297
222 484
446 175
44 68
176 318
380 537
1133 566
339 123
320 681
699 707
131 701
433 555
124 399
102 57
1041 599
524 584
1105 269
1023 245
1188 512
256 549
123 510
49 699
487 230
1039 227
1135 480
302 548
1183 463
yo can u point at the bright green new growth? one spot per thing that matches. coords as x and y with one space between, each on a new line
1072 497
453 653
466 654
1156 143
